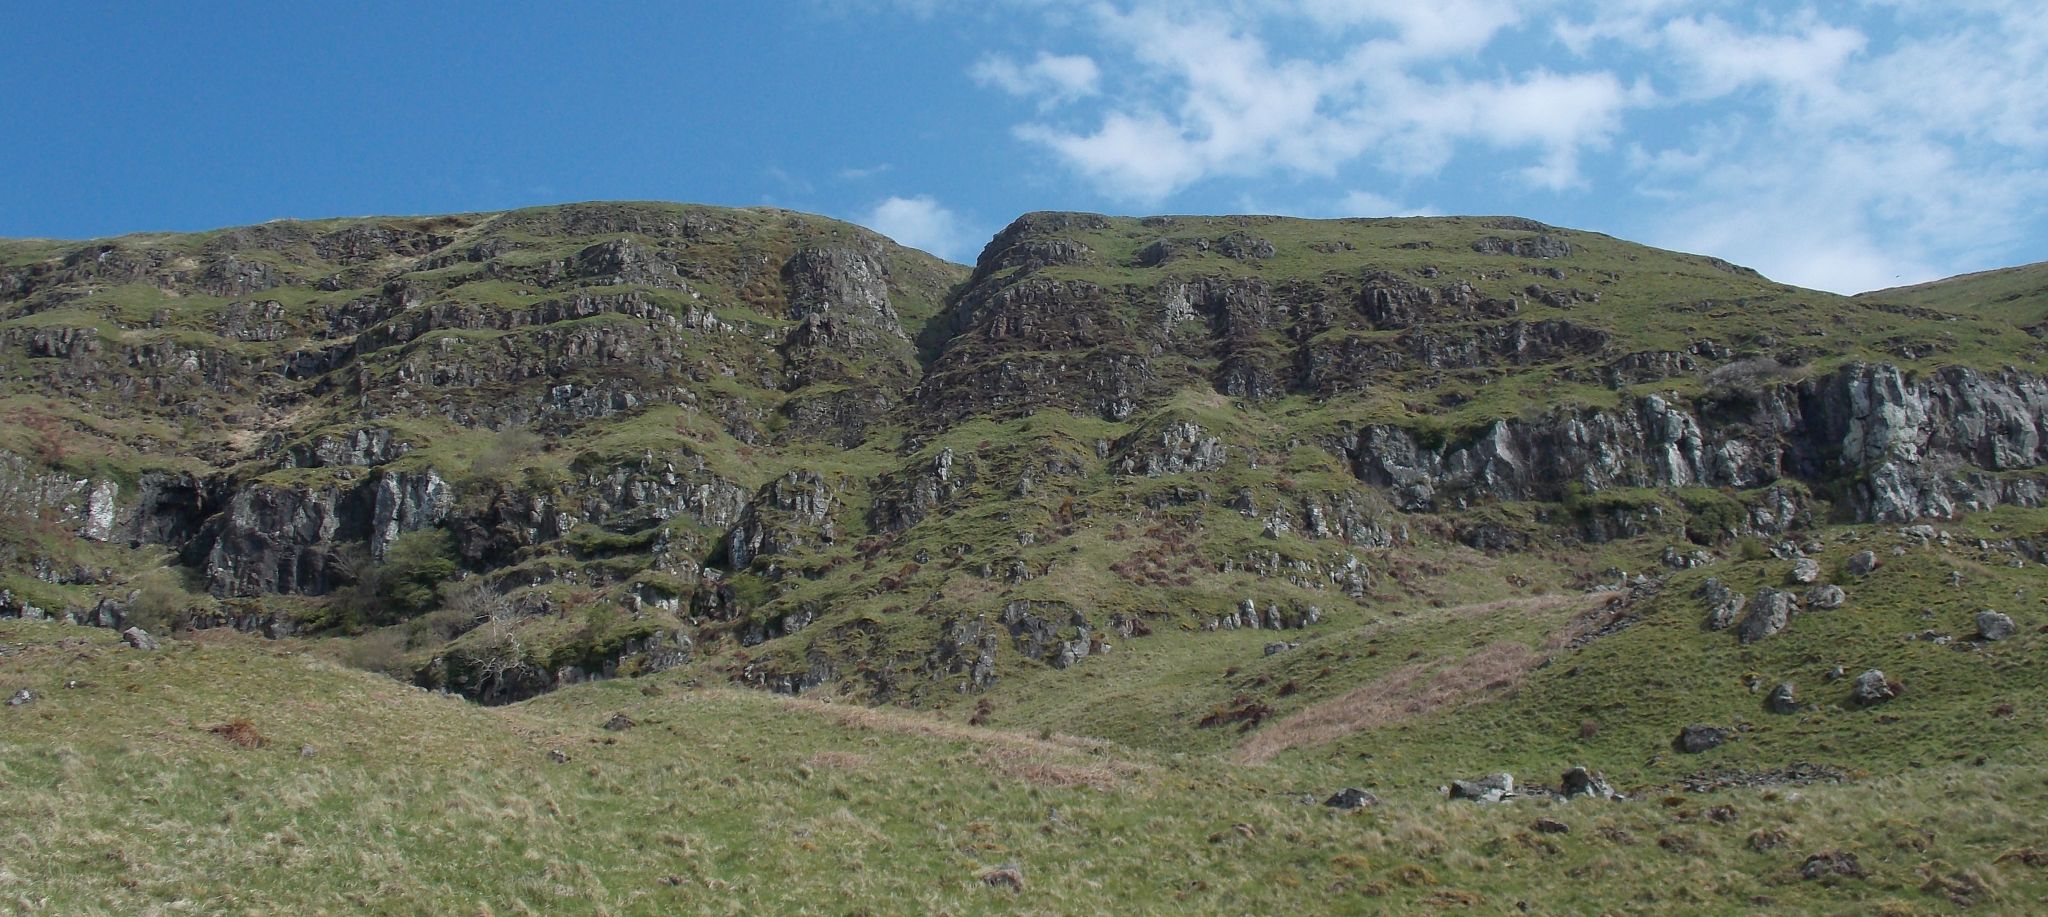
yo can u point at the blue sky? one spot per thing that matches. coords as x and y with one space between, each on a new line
1846 146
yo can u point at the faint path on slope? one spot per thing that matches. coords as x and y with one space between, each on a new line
1431 684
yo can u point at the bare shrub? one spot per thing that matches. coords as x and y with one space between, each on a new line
241 732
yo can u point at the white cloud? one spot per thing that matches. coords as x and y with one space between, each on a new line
1369 204
1225 105
1846 146
1051 78
921 222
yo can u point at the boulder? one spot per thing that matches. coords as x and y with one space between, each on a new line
1871 688
1861 563
1783 699
1806 571
1579 782
1993 626
1769 612
1350 798
22 698
139 639
1831 863
1723 604
1275 649
619 723
1826 598
1490 788
1699 737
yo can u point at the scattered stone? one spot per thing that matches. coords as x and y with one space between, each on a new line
1700 737
1832 863
1783 699
558 756
1806 571
1490 788
1351 798
307 751
1275 649
1993 626
1769 612
1795 775
1579 782
22 698
1837 673
1008 875
1931 636
1955 579
619 723
1826 598
1861 563
1871 688
1550 826
139 639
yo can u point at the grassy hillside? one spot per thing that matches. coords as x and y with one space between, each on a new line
229 774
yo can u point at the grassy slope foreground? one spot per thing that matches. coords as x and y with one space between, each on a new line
121 793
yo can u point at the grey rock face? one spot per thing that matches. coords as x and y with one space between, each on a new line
89 506
1769 612
1698 738
1871 689
967 648
1490 788
278 539
1993 626
1536 246
1923 446
790 512
1035 631
366 447
1180 447
842 298
406 502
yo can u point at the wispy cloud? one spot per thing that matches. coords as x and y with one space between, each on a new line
1050 79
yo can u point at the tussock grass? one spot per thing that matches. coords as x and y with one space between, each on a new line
117 800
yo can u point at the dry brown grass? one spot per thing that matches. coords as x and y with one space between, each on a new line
837 760
241 732
1423 687
1038 770
907 723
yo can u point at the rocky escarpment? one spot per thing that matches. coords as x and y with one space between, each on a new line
814 458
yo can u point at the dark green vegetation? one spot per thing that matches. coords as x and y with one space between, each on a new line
1260 507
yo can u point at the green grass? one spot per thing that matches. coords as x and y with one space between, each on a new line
119 798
